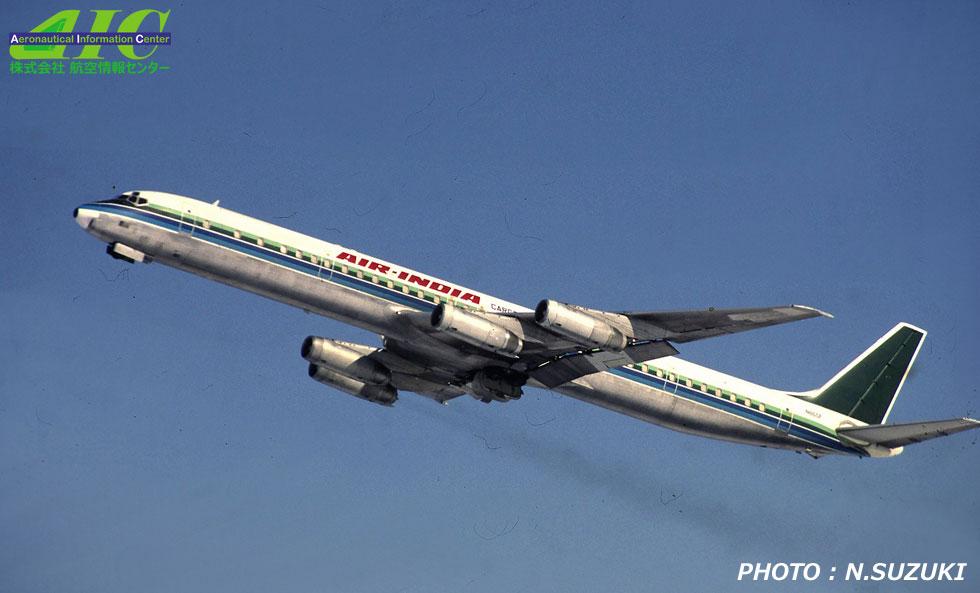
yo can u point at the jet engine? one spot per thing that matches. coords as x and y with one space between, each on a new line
578 326
345 358
475 330
385 395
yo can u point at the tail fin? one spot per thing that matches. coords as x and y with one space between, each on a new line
866 389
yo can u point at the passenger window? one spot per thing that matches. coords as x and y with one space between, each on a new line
238 235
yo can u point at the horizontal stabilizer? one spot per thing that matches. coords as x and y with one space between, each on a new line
899 435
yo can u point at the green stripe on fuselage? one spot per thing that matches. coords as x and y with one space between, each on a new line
770 410
346 268
416 291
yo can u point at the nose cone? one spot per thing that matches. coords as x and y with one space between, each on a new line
84 216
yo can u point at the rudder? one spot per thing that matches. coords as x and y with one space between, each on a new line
866 389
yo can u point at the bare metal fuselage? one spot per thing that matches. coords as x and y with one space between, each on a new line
660 403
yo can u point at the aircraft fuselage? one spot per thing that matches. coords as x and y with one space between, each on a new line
381 297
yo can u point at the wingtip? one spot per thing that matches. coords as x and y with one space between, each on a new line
815 310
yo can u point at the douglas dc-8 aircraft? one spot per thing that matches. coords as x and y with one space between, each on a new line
442 340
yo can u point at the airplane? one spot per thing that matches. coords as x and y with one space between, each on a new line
442 340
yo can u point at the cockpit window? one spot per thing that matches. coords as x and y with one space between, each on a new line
132 199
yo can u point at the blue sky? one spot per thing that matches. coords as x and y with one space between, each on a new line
158 432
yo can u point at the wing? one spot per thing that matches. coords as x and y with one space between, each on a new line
647 335
687 326
491 356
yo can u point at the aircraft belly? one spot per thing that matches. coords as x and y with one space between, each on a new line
670 411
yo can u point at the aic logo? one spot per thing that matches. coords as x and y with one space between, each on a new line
50 39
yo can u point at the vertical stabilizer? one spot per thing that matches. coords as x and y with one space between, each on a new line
867 388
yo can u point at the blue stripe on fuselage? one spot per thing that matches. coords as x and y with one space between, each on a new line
683 391
399 297
242 246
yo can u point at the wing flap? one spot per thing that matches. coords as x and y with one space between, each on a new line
570 366
899 435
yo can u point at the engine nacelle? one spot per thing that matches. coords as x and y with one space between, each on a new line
579 327
385 395
476 330
345 358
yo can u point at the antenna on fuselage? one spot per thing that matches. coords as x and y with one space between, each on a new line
216 202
